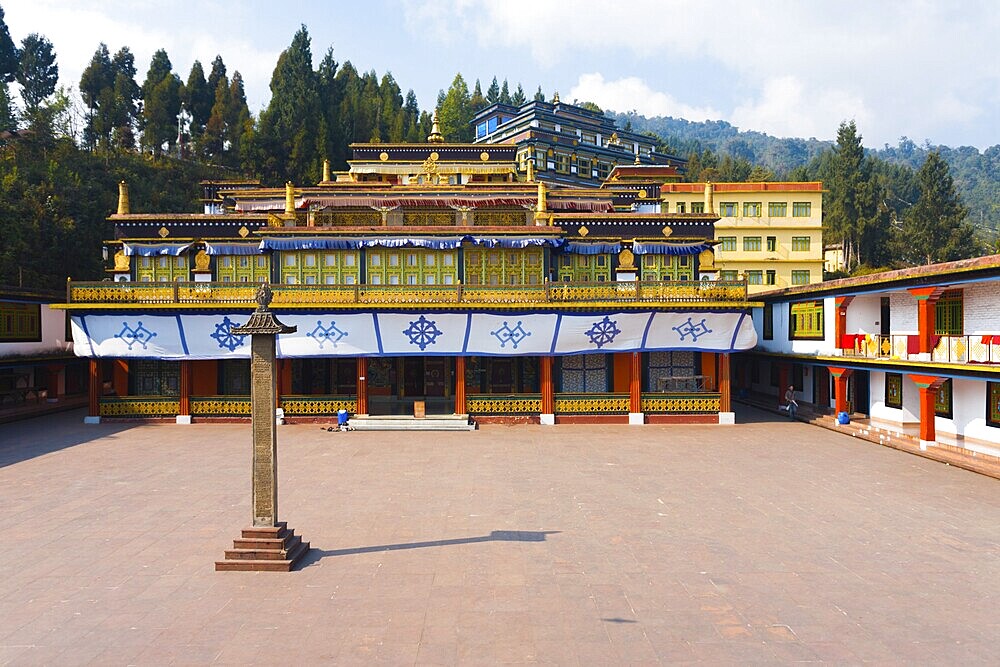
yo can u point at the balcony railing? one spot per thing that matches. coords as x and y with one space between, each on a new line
978 349
553 294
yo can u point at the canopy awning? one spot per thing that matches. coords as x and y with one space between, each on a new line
232 248
579 248
644 248
153 249
434 243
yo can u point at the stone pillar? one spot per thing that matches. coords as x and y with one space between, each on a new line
726 414
460 408
635 415
548 416
928 386
362 386
926 310
276 547
840 376
184 414
94 391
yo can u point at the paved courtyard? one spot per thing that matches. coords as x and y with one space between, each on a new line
770 541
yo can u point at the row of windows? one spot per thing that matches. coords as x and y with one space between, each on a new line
767 277
805 321
564 163
696 207
754 209
753 243
20 322
943 405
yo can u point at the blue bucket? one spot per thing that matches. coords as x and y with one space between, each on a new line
341 417
843 418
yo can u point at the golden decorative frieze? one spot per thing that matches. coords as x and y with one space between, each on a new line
220 406
591 404
313 406
139 406
485 404
699 403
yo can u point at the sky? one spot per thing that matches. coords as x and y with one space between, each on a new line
924 69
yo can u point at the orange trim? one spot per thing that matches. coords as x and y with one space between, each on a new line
548 392
635 384
460 386
362 385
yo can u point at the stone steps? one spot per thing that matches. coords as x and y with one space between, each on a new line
409 423
264 549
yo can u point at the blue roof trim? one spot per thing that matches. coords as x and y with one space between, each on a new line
591 248
232 248
640 248
154 249
440 243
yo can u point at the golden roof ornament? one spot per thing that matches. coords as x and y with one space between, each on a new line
435 137
123 203
555 98
637 159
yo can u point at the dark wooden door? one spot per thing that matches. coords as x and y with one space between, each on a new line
435 376
413 376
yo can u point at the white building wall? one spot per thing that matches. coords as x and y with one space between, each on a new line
863 314
969 418
979 303
902 313
53 336
908 414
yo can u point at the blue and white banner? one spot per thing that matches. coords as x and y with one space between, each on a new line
197 336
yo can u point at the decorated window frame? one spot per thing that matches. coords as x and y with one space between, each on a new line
806 320
993 404
944 400
894 390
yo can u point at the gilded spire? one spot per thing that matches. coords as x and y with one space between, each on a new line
637 161
123 204
326 171
289 198
555 98
435 137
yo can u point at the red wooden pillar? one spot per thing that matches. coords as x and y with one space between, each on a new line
725 400
185 402
548 392
840 325
928 386
94 390
635 384
460 386
926 301
784 373
840 376
362 386
52 382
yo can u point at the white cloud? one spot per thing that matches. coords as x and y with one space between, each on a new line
787 107
632 93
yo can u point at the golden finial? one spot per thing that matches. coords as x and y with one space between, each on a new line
435 137
555 98
326 171
123 204
289 198
531 169
637 161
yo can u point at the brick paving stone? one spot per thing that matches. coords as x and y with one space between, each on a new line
769 541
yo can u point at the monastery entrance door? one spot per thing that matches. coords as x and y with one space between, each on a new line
396 382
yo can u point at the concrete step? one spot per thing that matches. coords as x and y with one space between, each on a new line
263 552
251 565
409 423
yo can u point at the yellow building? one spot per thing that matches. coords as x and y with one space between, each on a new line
772 233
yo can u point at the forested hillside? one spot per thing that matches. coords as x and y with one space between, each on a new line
61 154
976 173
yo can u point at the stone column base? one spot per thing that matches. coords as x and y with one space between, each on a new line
727 417
636 418
89 419
264 549
547 419
183 419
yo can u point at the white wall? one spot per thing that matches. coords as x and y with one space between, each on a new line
979 303
903 313
863 314
908 414
53 336
969 417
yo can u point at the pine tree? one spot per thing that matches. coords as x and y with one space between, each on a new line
539 95
286 132
37 72
454 114
504 93
217 74
197 98
477 101
8 54
518 98
96 79
411 111
851 199
493 92
126 94
161 103
935 228
7 118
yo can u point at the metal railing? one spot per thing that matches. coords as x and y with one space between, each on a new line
550 293
969 348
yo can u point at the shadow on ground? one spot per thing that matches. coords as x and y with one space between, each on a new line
316 555
28 438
